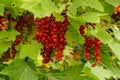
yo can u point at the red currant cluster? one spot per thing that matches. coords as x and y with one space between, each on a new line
51 34
22 24
89 43
3 23
14 51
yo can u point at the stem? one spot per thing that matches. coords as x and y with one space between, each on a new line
111 25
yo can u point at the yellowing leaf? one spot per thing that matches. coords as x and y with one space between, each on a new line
100 72
115 47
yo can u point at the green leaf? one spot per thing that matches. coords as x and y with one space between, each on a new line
99 32
14 7
35 8
116 33
43 78
12 33
6 3
115 47
73 7
77 3
13 12
87 70
19 70
4 45
116 71
74 23
4 77
48 5
3 34
100 72
75 18
58 17
73 36
96 4
88 73
39 8
93 17
72 73
108 62
17 3
85 78
42 8
105 52
27 5
1 9
30 50
107 7
113 2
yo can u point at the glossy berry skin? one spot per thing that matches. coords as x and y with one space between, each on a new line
93 65
97 46
51 33
117 9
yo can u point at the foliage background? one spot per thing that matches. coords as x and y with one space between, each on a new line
27 63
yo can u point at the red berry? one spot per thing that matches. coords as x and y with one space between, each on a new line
117 9
87 54
88 39
98 61
88 58
38 33
87 50
14 51
98 58
93 65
